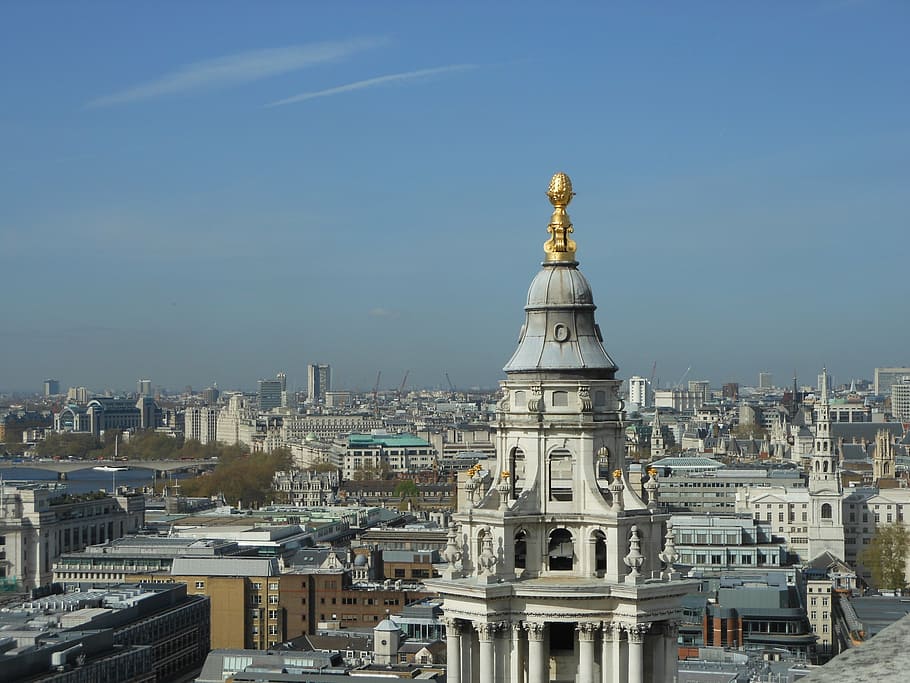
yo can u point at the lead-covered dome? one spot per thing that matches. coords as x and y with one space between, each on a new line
559 334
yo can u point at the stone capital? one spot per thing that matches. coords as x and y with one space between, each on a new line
488 629
535 629
454 627
637 632
586 631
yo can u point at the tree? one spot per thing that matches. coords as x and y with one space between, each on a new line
886 556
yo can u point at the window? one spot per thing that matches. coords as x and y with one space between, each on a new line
200 585
826 511
521 550
257 586
560 550
561 475
273 586
560 399
273 614
273 629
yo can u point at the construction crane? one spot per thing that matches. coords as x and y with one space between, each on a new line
376 393
403 382
451 386
683 378
653 372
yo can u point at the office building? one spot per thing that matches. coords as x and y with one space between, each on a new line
133 633
210 395
271 392
550 575
765 380
639 392
144 387
319 381
51 387
885 377
900 399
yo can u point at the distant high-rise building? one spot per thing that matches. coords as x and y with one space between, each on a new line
210 395
731 391
639 392
51 387
824 378
319 381
900 399
700 387
77 394
144 387
765 381
270 392
885 377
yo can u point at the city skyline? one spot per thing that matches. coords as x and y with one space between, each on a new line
238 193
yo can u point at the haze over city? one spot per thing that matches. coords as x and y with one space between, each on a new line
220 192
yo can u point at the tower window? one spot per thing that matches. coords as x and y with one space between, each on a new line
560 399
600 552
561 475
521 550
561 551
517 470
826 511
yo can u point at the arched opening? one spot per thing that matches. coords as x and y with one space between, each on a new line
825 467
517 471
886 469
818 466
560 475
603 463
826 511
600 552
521 550
560 551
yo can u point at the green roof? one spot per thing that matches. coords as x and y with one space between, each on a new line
387 441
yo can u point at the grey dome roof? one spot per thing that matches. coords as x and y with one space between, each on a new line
555 286
360 561
559 334
385 625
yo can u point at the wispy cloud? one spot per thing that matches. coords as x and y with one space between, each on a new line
373 83
243 67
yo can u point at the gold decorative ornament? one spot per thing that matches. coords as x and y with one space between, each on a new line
652 472
505 474
617 474
560 247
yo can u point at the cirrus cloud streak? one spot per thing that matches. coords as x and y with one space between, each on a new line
243 67
373 83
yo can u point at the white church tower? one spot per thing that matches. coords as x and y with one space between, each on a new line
826 527
551 575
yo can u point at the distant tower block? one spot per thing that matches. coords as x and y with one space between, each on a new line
554 574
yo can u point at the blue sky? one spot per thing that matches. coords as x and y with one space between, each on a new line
216 191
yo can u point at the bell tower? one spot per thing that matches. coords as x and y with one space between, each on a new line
826 528
557 570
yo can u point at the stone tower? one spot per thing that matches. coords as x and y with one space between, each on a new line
883 460
658 448
826 527
554 574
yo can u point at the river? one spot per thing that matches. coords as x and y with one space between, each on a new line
83 481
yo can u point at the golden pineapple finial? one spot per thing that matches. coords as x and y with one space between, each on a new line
560 247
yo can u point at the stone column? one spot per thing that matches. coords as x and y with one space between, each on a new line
671 661
453 650
636 653
606 653
586 635
538 668
516 668
618 660
486 632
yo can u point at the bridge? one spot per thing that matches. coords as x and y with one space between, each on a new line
161 468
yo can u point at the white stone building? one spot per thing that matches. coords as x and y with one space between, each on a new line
553 575
40 522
